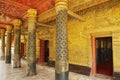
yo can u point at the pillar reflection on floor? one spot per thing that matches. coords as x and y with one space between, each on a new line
7 72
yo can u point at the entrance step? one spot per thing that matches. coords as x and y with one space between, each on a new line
101 77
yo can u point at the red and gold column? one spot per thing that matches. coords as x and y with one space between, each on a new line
16 55
3 44
8 44
61 64
32 15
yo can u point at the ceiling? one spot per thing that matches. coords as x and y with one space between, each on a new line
10 9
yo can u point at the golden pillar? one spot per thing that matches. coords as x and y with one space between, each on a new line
16 55
32 15
61 64
3 44
8 44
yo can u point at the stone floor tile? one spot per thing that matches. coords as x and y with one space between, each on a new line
43 73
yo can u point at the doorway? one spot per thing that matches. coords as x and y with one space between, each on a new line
44 51
104 56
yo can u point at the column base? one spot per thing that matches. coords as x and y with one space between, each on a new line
8 59
17 67
31 69
61 76
17 64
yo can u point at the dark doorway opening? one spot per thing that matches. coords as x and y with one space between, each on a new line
104 56
44 51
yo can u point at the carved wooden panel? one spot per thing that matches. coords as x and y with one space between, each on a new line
11 9
18 8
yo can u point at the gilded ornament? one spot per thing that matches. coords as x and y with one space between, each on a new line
32 14
17 23
2 31
9 28
61 4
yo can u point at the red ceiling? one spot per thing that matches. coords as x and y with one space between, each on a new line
40 5
18 8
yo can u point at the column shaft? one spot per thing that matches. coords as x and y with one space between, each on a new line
31 42
3 44
16 55
16 59
8 44
61 64
8 48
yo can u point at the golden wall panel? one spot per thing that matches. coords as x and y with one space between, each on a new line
102 20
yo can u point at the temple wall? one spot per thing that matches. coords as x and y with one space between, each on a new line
100 21
45 33
104 21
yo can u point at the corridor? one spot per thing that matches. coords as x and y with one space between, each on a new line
43 73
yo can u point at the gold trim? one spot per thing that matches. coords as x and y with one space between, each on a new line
50 15
9 28
32 14
59 4
2 32
102 34
17 23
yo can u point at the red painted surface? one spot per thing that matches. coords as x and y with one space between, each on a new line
18 8
21 50
2 26
6 22
93 69
12 9
42 51
3 23
105 63
12 41
105 69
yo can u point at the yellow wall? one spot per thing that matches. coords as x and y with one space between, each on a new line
102 20
77 44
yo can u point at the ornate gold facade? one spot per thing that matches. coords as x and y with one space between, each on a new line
101 19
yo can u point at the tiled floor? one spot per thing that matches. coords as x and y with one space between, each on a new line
43 73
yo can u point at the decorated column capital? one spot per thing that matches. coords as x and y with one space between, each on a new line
9 28
61 4
17 23
32 14
2 32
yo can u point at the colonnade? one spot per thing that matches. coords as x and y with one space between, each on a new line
61 63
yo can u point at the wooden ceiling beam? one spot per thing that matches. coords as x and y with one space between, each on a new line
89 4
43 25
2 26
50 14
47 16
10 2
76 16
